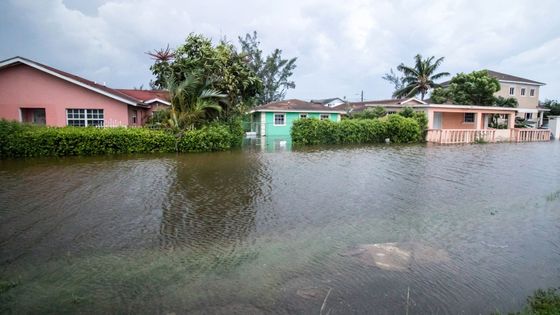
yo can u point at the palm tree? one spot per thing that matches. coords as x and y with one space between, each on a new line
420 78
191 101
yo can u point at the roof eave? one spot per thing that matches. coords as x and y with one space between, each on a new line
18 59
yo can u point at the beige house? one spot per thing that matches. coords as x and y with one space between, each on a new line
525 91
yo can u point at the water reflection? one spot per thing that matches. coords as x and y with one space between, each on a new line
137 233
269 144
212 200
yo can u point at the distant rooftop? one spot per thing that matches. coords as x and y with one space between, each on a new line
294 105
505 77
508 77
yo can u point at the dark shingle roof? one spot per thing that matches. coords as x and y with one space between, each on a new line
508 77
503 77
294 104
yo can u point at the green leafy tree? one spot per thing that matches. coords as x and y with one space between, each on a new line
370 113
273 70
226 69
407 112
420 78
554 107
475 88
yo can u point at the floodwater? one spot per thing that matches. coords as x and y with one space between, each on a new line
388 229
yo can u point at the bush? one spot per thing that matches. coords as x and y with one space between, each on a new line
398 129
542 302
20 140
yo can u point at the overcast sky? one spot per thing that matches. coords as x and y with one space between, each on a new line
343 46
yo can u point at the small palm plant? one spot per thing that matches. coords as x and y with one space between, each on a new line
420 78
191 101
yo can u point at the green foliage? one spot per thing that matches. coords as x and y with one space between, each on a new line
420 78
440 95
221 65
554 107
475 88
506 102
193 102
395 127
407 111
273 71
542 302
369 113
17 140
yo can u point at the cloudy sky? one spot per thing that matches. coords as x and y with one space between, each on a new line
343 47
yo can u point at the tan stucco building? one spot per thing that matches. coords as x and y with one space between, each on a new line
525 91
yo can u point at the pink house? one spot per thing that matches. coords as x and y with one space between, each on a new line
449 123
35 93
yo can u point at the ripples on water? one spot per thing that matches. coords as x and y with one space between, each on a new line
253 232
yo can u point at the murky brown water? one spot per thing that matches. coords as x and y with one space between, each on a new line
461 229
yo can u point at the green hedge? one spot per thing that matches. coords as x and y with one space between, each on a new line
20 140
395 127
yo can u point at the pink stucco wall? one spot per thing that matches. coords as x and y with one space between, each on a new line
453 118
24 87
456 121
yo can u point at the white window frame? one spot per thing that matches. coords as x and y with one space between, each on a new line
465 118
529 116
303 115
85 119
510 90
322 116
523 92
274 119
532 92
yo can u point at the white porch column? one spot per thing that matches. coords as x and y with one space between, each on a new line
541 119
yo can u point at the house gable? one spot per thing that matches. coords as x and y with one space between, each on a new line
92 86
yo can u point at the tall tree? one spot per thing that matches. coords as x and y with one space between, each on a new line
395 79
419 79
475 88
226 70
273 70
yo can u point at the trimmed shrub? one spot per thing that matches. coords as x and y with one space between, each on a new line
397 128
21 140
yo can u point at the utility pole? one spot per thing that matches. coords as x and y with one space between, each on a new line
362 96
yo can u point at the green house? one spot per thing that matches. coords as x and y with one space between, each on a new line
276 119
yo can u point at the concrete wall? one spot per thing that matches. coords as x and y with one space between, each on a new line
24 87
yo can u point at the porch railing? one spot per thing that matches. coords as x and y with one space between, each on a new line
530 135
457 136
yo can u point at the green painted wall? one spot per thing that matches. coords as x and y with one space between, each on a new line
272 130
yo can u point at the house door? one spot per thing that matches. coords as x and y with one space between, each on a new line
437 120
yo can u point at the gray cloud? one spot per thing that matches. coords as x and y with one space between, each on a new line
343 47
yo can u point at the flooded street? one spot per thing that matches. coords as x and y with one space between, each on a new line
459 229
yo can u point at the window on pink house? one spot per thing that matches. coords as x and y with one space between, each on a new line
84 117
